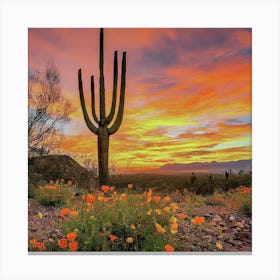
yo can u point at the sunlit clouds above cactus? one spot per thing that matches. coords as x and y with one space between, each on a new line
188 91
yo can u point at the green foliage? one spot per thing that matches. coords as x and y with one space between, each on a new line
201 189
57 196
172 182
122 218
243 202
246 208
214 200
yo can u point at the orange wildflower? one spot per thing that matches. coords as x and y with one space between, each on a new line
90 198
168 248
174 207
41 246
157 211
244 189
64 212
159 228
69 183
74 214
34 243
62 243
112 188
84 198
173 220
113 237
148 200
166 209
198 220
182 216
174 228
71 236
73 246
130 186
105 188
148 196
156 199
123 196
100 198
166 199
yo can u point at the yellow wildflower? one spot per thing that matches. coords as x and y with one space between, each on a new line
219 246
173 220
129 240
174 228
174 207
74 214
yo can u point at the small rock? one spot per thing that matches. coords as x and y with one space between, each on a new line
225 229
239 224
210 231
217 219
242 235
231 218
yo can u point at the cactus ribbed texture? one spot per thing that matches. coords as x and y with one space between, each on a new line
102 130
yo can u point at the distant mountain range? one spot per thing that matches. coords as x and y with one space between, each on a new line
214 166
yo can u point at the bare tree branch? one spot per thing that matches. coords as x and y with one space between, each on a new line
47 112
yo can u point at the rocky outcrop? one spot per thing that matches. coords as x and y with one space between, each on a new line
55 167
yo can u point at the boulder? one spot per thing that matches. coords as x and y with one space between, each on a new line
56 167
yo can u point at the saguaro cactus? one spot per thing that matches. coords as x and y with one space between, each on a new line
102 129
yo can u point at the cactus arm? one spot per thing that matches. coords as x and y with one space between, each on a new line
114 128
115 84
93 100
101 80
90 125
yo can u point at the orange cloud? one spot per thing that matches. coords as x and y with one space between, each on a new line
188 93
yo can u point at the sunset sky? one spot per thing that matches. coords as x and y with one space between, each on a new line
188 91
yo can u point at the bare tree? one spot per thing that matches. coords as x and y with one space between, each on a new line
48 111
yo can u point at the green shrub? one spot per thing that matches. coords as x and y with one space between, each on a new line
246 208
200 188
123 218
52 195
214 201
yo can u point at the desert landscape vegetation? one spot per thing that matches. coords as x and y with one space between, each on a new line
167 168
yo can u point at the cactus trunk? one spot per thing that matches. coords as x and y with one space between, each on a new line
103 152
103 131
